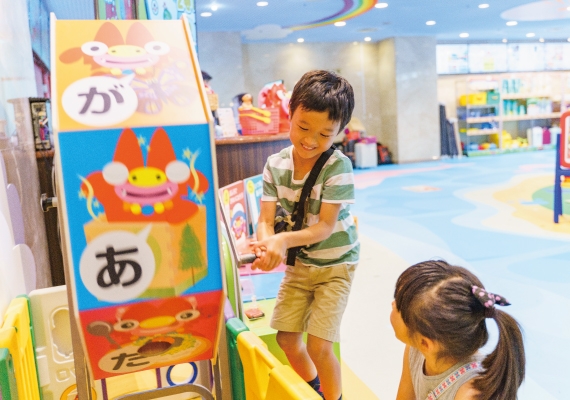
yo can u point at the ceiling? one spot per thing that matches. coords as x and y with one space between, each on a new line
399 18
287 20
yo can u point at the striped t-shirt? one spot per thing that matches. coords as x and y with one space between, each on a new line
335 184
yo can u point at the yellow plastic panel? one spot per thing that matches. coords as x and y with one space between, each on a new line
257 364
284 383
16 336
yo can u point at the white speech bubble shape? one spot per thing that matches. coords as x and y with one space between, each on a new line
100 100
118 266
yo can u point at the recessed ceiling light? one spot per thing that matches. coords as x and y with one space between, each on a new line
505 40
262 3
484 5
206 14
367 39
464 35
340 23
567 8
214 7
568 39
430 23
512 23
381 5
530 34
541 40
300 40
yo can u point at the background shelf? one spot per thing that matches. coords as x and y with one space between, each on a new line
480 132
527 117
514 96
475 120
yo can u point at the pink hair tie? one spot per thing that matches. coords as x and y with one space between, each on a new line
488 299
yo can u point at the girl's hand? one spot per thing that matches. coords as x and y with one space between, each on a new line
270 252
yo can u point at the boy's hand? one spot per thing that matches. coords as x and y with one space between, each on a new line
259 254
270 252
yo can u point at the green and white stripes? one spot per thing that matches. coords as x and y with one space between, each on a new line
335 184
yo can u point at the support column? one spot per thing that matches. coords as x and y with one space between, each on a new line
408 98
220 55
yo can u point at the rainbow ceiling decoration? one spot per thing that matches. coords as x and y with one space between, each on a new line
351 9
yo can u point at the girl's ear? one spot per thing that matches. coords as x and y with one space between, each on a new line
427 345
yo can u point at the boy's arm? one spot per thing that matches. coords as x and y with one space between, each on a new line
266 220
265 229
275 246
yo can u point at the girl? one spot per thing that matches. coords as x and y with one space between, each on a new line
439 312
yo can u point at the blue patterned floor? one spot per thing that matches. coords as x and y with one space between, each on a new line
452 210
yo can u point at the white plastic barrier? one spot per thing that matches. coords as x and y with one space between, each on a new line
54 356
17 264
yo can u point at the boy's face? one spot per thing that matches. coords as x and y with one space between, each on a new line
312 133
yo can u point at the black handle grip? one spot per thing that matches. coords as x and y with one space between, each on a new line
246 258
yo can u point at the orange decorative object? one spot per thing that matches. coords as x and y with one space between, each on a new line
256 120
275 95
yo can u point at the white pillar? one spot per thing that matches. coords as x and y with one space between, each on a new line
408 98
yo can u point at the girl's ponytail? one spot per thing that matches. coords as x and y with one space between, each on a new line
504 368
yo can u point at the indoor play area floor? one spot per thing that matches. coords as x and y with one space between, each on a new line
492 215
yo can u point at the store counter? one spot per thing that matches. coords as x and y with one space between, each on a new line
240 157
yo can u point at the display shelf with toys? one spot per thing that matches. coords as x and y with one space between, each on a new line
478 112
511 112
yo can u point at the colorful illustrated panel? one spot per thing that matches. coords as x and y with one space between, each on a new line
161 9
565 140
152 334
233 201
111 74
142 215
254 191
188 9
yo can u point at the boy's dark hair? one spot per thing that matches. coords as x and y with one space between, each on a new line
320 91
436 300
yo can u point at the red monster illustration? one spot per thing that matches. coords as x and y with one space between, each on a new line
137 53
156 328
131 191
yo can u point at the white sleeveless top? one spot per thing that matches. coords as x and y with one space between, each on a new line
424 384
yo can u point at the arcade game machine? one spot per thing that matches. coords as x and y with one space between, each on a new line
138 202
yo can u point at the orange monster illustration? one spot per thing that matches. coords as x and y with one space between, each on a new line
137 53
157 332
155 329
159 73
159 191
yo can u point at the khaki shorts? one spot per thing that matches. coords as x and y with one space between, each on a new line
313 299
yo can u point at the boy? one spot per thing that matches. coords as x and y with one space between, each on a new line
314 292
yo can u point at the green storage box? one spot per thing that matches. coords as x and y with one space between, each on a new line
493 97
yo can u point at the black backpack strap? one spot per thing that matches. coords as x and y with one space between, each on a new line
298 214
